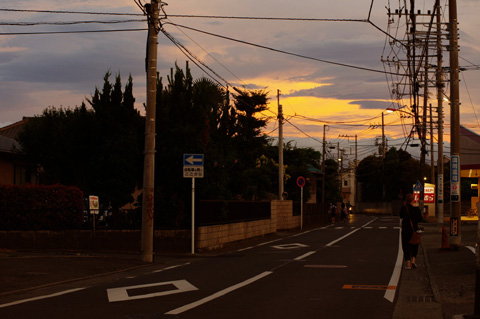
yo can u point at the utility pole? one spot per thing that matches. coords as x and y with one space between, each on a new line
383 137
323 168
432 149
455 195
280 148
354 166
440 85
152 11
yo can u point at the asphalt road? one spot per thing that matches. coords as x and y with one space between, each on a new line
338 271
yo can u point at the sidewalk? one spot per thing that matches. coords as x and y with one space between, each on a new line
443 285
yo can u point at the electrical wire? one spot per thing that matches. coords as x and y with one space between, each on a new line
281 51
70 32
71 12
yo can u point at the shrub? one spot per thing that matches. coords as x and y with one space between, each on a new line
47 207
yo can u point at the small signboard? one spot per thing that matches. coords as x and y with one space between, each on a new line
93 204
429 194
193 165
455 178
453 226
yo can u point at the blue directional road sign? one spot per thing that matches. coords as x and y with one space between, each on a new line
193 165
192 159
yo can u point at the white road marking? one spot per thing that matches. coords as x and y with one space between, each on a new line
350 233
41 297
390 293
305 255
171 267
121 294
217 294
382 227
472 249
290 246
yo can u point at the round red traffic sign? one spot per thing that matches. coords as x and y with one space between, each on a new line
301 181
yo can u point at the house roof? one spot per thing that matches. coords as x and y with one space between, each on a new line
469 149
12 130
8 145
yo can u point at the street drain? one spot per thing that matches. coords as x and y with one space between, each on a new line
421 299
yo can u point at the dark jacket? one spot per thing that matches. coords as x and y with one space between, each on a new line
413 214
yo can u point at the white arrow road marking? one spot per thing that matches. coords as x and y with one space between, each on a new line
121 294
41 297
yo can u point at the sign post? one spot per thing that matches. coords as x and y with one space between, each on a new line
301 184
193 168
94 207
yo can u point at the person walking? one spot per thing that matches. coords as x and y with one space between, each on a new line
410 216
333 212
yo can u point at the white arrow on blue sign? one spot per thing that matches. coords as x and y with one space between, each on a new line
193 159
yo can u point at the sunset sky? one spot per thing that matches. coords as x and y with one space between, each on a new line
41 70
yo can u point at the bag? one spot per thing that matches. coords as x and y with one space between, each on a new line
415 240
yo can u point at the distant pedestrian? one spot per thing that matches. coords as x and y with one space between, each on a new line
410 216
333 212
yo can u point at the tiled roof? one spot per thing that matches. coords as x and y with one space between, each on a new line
8 145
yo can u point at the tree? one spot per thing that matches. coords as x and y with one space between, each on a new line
398 172
97 149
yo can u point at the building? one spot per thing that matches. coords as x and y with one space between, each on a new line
15 169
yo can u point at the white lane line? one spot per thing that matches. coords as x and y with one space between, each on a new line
217 294
259 245
350 233
390 293
305 255
171 267
41 297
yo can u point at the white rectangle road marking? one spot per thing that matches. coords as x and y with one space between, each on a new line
217 294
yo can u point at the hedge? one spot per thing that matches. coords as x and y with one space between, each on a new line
46 207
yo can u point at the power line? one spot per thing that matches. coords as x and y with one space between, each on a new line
66 32
71 12
265 18
282 51
21 24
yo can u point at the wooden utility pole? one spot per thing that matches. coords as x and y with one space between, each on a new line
440 85
323 168
455 195
152 11
280 148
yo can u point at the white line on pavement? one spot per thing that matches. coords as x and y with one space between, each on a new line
41 297
218 294
171 267
350 233
305 255
390 293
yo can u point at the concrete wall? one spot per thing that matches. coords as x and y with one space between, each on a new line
214 237
207 237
